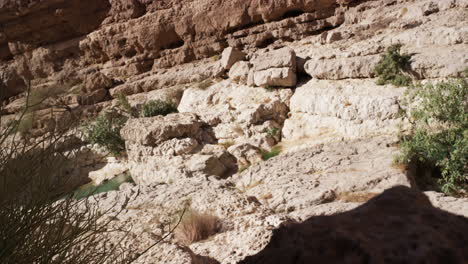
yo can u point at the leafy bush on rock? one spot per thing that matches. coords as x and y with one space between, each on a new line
391 67
105 132
439 141
157 107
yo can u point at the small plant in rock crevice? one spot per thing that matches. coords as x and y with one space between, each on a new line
157 107
391 67
271 132
124 105
275 151
438 143
105 132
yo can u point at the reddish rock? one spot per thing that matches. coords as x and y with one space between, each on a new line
97 81
39 39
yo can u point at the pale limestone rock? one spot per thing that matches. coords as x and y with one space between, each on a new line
234 110
317 175
342 68
458 206
276 77
323 110
281 58
243 220
111 169
207 164
151 131
239 72
175 146
275 68
245 154
230 56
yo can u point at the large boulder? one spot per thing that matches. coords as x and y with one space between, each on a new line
276 68
239 72
165 148
303 181
97 81
152 131
398 226
342 68
239 113
322 109
230 56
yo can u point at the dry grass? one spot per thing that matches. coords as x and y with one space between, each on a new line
250 185
227 144
203 85
402 167
350 197
266 196
238 129
196 226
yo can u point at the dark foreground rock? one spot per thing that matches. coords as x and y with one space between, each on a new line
398 226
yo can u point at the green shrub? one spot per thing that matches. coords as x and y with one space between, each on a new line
275 151
105 132
157 107
124 105
272 132
391 66
440 140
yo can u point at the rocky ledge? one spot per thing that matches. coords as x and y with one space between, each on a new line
295 76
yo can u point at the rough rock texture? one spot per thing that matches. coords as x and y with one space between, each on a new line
133 37
298 181
398 226
335 127
165 148
275 68
245 228
231 56
239 72
322 109
239 113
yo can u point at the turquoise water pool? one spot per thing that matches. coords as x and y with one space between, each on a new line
110 185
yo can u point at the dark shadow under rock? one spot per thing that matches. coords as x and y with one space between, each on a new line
398 226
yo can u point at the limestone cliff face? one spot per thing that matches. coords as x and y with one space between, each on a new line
45 40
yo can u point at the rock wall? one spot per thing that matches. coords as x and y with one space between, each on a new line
298 75
60 41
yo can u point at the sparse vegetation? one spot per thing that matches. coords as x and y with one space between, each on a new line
252 184
215 58
355 197
124 105
272 132
205 84
105 132
243 168
438 144
196 226
157 107
275 151
227 144
391 67
25 124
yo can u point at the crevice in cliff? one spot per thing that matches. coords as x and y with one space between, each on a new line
291 14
